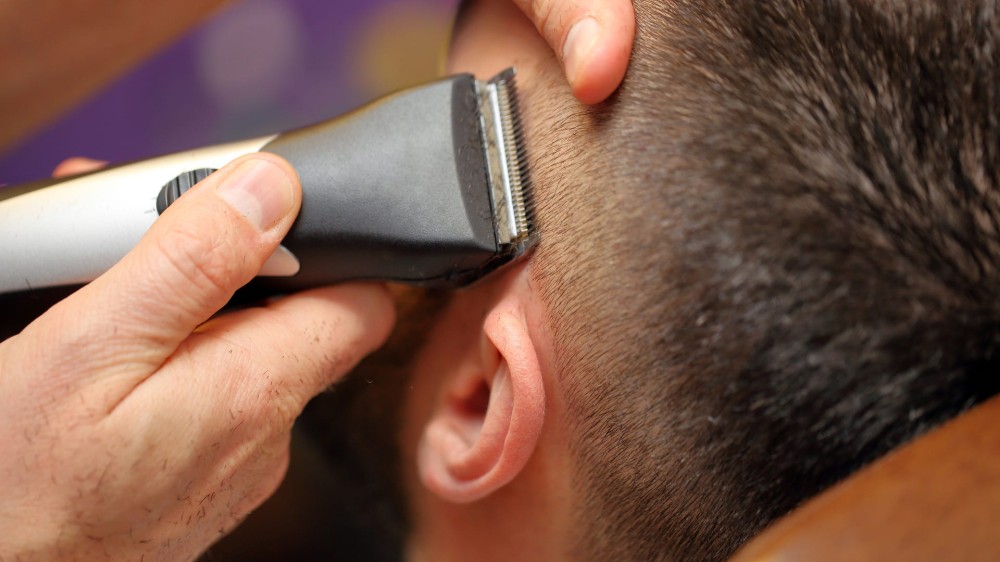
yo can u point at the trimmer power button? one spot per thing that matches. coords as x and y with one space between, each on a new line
178 186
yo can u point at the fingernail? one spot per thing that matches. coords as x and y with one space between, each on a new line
259 190
580 42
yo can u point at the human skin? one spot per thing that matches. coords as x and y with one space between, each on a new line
132 428
494 484
592 39
486 456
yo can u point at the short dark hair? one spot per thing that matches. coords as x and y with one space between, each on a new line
772 257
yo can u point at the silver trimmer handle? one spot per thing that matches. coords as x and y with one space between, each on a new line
70 231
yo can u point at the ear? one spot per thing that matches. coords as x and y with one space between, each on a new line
487 424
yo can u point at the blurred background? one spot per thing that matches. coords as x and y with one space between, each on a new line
251 68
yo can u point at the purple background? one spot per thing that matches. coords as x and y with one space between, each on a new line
256 67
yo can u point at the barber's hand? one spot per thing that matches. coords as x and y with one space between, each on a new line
130 429
592 38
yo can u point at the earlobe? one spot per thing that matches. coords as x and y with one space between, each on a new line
487 425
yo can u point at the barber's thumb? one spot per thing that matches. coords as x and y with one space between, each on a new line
205 246
592 38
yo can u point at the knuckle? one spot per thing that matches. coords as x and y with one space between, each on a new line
277 403
552 20
269 470
198 263
271 405
541 12
332 347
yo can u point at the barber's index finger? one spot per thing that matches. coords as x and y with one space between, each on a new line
206 245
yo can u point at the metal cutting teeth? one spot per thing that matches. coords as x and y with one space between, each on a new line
510 185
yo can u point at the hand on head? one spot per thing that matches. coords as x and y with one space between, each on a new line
591 38
131 427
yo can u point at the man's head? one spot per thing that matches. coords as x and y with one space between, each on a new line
771 257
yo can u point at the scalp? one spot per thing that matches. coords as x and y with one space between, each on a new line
770 258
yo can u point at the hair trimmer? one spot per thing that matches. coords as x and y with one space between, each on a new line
426 186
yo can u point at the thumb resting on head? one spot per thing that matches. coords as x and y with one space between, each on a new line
592 38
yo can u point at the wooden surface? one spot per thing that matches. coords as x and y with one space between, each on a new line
54 53
933 500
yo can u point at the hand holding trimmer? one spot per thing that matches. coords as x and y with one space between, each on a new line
427 186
